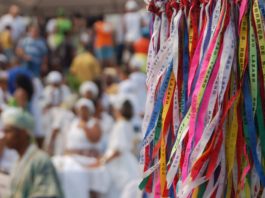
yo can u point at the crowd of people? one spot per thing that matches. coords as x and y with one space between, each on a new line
72 100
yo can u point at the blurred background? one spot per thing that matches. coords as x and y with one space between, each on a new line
73 91
49 7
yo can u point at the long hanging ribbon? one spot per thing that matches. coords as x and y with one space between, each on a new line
204 123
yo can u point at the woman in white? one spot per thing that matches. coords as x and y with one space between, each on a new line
119 160
91 91
81 148
85 130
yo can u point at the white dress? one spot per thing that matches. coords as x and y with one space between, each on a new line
77 180
124 168
76 138
106 124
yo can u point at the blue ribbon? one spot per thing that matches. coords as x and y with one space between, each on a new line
251 129
159 101
262 8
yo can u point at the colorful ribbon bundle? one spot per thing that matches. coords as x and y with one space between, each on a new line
204 123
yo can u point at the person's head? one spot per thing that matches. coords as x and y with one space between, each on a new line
8 27
122 107
127 110
60 13
131 6
89 90
18 127
34 31
54 78
21 97
85 109
24 88
100 17
84 39
14 10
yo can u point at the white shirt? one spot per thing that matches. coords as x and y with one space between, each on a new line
132 22
57 118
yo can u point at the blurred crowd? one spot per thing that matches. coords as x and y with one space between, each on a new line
72 100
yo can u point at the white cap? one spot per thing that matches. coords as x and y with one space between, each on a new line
54 77
83 102
89 86
131 5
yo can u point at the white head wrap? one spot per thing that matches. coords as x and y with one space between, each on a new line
54 77
83 102
18 118
131 5
89 86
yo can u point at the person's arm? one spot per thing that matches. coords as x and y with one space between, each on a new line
51 145
93 134
21 53
105 159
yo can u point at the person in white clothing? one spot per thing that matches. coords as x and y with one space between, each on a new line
138 78
55 92
81 148
85 130
132 21
119 159
57 125
89 90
